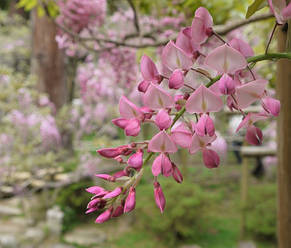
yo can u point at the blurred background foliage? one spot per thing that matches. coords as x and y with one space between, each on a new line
204 209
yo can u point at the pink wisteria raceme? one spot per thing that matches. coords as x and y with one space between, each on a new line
196 79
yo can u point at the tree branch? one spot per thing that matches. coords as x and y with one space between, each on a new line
135 15
224 29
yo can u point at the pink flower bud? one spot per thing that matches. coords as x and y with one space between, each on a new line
159 196
106 177
119 174
176 80
116 192
119 159
254 135
118 211
136 160
109 152
163 120
226 85
132 128
271 105
177 175
95 190
104 216
210 158
205 126
120 122
162 164
143 86
130 201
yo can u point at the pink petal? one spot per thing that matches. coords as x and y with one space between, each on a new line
201 26
254 135
128 109
132 128
184 42
162 142
226 59
157 98
248 93
148 69
163 119
116 192
104 216
118 211
198 142
157 166
95 190
205 126
106 177
136 160
143 86
159 197
241 46
286 12
226 85
174 57
277 7
120 122
166 165
210 158
203 100
250 119
182 136
271 105
176 80
109 152
177 175
130 201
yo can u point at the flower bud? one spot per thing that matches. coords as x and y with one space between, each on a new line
104 216
159 197
130 201
116 192
226 85
205 126
176 81
163 119
271 105
136 160
254 135
177 175
210 158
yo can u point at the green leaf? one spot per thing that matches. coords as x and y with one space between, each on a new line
255 6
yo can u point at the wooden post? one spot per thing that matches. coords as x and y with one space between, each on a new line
48 60
244 196
283 86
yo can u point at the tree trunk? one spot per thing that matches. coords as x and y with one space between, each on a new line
47 60
283 86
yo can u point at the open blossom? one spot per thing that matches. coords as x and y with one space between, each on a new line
196 79
281 10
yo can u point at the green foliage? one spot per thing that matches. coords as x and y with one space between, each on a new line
185 216
42 6
261 218
73 201
255 6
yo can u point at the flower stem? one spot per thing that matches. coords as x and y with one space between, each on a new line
271 37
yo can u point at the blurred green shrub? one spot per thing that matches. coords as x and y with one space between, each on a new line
185 217
73 202
261 216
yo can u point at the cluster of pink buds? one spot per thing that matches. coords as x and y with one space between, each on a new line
195 80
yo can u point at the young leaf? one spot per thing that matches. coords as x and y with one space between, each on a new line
255 6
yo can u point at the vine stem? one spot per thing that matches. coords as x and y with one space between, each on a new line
253 59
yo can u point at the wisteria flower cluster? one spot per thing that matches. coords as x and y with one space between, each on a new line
196 78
